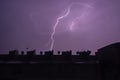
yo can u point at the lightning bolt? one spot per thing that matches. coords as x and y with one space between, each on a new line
54 27
63 16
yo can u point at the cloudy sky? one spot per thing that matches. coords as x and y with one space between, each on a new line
29 24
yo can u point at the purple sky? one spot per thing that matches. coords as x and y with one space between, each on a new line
29 24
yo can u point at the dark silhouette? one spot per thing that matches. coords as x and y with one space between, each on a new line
41 52
49 52
31 53
67 53
83 53
13 52
58 52
104 65
109 57
22 53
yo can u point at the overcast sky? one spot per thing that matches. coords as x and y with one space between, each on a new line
29 24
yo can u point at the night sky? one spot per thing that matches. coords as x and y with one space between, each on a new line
29 24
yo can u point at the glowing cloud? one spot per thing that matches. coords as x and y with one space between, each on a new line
62 17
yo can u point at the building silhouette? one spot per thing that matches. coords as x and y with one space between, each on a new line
104 65
109 57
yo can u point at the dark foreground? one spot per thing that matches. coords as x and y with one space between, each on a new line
105 65
49 71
